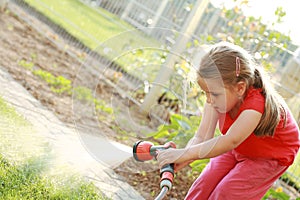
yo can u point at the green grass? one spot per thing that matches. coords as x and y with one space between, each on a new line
26 182
74 16
57 84
10 115
17 135
23 164
96 28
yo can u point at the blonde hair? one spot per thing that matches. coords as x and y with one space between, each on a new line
221 62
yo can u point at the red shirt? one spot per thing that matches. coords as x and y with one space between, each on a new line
283 146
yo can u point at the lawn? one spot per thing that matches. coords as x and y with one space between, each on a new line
81 21
23 160
97 29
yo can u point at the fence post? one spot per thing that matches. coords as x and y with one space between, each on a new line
166 69
127 10
158 14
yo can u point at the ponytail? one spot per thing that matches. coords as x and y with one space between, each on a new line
258 82
274 106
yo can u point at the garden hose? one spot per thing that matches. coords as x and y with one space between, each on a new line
143 151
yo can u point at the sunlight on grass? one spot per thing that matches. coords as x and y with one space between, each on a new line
96 28
19 140
25 160
25 182
74 16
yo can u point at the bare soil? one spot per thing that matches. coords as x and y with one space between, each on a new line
21 42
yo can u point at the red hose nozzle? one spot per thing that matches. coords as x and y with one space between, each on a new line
141 151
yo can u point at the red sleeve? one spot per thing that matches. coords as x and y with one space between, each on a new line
254 100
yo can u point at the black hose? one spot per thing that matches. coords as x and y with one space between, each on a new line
162 193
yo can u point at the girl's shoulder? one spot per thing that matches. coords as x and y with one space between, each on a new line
254 100
254 92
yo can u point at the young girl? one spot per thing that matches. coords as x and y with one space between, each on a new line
259 140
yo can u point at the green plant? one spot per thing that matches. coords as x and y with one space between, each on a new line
85 94
291 179
277 194
57 84
101 105
180 130
26 64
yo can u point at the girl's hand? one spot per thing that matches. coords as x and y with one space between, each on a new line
172 155
179 166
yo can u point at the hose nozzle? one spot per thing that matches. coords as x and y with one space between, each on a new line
143 150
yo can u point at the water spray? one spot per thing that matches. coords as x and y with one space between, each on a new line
143 151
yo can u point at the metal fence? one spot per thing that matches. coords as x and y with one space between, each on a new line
160 22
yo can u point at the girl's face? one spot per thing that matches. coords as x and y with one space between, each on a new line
222 98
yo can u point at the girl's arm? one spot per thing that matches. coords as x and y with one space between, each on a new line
205 131
237 133
207 126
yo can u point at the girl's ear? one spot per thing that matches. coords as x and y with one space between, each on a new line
241 88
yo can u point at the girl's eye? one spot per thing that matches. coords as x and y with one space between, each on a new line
215 95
